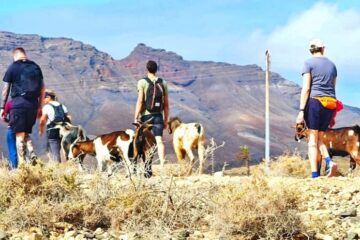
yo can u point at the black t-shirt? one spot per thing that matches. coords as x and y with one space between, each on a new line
13 76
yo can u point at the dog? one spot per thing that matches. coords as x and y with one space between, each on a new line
342 142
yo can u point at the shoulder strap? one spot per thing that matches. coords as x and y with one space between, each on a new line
160 82
60 105
148 81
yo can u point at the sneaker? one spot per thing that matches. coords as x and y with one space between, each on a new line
331 170
33 158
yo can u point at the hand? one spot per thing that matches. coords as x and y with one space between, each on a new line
41 131
300 117
137 120
2 114
165 124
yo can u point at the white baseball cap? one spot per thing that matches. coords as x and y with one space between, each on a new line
316 43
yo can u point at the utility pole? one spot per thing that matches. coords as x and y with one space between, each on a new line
267 113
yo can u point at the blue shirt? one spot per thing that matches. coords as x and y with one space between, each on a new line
323 73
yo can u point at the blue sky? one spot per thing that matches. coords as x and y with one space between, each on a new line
234 31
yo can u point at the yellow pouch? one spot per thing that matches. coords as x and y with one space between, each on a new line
327 102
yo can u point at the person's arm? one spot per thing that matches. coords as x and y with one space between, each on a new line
139 105
43 120
4 98
41 101
166 111
305 92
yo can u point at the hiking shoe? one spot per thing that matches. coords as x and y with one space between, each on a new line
33 158
331 170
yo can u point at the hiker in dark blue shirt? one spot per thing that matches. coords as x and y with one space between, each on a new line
23 81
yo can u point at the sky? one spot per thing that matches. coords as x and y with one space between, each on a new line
232 31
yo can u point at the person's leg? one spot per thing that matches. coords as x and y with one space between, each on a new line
312 119
18 123
30 149
313 152
157 129
21 147
330 166
11 142
54 145
161 149
325 117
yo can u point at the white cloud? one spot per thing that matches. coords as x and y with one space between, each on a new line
288 44
339 29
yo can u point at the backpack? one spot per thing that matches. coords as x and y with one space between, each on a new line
154 101
59 116
31 80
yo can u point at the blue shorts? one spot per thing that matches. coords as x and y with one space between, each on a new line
316 116
22 119
157 121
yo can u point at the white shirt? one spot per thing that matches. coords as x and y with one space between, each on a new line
50 112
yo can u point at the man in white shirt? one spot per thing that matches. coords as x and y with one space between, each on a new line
53 113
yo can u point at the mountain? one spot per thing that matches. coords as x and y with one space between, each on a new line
227 99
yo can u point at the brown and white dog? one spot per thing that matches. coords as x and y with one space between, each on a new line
115 146
339 141
186 137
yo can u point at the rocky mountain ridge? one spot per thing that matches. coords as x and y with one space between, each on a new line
227 99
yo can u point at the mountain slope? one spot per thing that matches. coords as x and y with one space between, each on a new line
228 99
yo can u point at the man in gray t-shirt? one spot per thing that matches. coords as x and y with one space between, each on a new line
319 79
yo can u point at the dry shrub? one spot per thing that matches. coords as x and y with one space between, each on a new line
153 208
286 165
258 210
290 165
45 195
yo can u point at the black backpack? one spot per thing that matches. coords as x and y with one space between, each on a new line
154 101
31 80
59 116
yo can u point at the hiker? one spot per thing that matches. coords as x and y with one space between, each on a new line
23 80
53 113
10 138
153 105
317 105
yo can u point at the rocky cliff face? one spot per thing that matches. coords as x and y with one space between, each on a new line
228 99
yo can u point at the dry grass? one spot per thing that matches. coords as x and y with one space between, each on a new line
258 210
156 208
290 165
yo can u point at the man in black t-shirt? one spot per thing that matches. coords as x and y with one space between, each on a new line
23 80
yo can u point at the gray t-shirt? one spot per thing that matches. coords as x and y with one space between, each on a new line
323 73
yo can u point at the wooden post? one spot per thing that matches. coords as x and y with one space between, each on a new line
267 113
